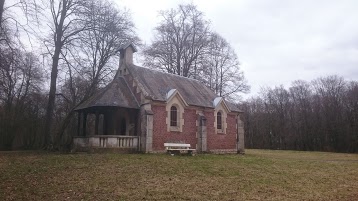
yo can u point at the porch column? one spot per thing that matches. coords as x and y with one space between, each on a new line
96 123
79 123
113 122
105 118
84 123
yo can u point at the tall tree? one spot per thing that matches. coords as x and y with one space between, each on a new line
20 80
2 2
110 28
221 71
67 22
184 45
92 58
180 39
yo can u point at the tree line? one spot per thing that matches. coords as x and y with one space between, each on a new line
55 54
72 54
321 115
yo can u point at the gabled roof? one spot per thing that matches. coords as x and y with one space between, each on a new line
174 92
129 44
157 85
116 94
220 101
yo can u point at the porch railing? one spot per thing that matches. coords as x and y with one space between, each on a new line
107 141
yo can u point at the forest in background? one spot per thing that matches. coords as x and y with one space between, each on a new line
321 115
74 53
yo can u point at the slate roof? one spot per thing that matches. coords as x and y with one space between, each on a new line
157 84
115 94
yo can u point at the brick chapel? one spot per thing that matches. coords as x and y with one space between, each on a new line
142 109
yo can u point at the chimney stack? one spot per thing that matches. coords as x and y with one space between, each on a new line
126 53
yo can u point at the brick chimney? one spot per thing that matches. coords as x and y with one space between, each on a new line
126 53
126 58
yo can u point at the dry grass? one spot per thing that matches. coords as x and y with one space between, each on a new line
258 175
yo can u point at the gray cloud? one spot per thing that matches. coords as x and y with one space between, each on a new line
277 41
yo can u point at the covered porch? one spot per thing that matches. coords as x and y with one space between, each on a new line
107 127
109 119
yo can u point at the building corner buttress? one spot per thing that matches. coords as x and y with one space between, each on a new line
240 136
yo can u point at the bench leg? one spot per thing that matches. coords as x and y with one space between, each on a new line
173 152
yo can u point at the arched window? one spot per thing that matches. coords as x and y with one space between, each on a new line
173 116
219 120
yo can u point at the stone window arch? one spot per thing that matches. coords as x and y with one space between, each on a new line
175 105
219 122
173 115
175 119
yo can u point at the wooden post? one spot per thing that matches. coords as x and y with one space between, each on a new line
84 123
113 122
96 123
105 123
79 123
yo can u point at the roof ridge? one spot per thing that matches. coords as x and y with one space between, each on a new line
170 74
142 88
135 98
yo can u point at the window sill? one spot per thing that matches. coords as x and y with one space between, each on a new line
174 129
220 132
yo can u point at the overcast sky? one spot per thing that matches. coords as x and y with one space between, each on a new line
277 41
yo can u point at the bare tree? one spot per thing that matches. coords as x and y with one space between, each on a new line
184 45
66 23
91 60
110 28
180 39
351 114
330 92
221 70
21 78
2 2
302 119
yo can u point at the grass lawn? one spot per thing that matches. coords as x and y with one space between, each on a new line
258 175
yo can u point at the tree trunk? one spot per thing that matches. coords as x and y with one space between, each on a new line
49 136
51 99
2 2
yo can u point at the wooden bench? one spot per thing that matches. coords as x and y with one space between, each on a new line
177 148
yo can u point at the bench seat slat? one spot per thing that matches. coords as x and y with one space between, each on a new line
182 149
176 145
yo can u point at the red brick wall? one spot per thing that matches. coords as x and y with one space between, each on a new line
160 134
215 141
220 141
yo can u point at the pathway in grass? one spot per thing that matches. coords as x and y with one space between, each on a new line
258 175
